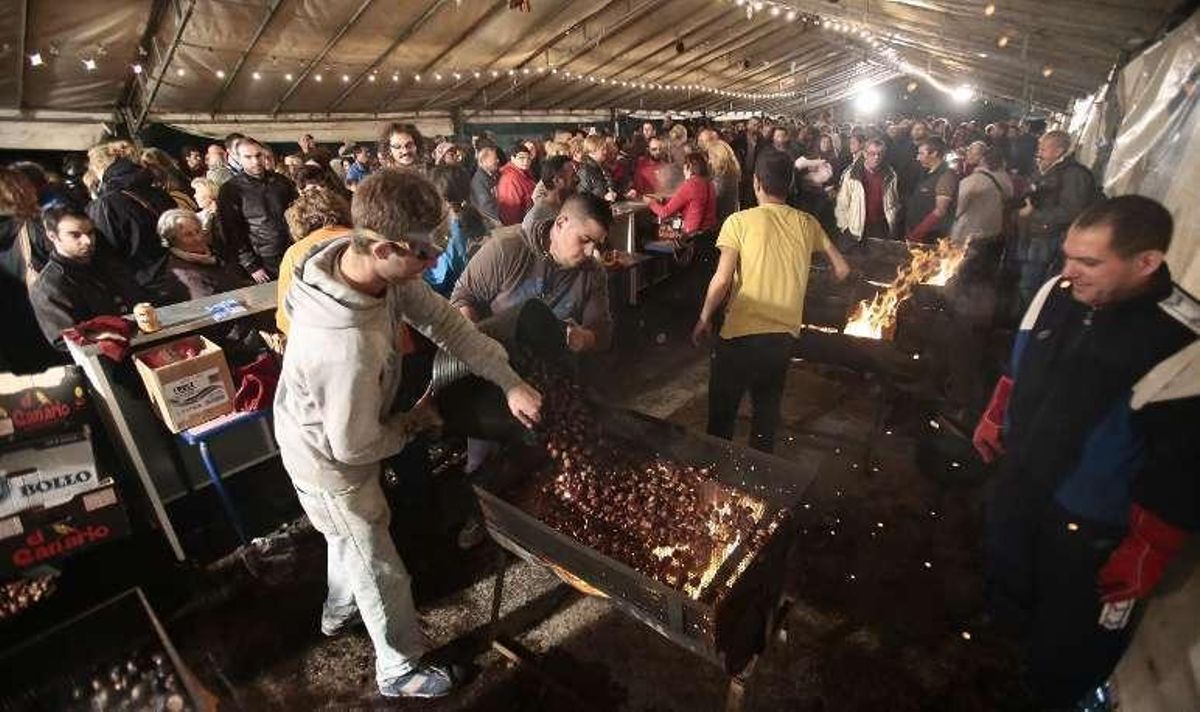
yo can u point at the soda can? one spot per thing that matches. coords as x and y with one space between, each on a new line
146 317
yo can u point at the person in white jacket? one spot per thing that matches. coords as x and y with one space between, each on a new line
335 419
868 199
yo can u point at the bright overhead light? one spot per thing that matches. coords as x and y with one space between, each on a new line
437 77
1002 41
416 77
288 76
178 72
775 11
1047 71
256 76
963 94
318 78
791 16
395 77
370 77
220 74
137 68
868 100
345 78
989 9
89 64
35 59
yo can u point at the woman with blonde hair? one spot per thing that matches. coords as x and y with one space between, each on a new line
677 138
726 174
168 177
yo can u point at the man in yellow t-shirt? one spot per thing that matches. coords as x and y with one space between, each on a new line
765 255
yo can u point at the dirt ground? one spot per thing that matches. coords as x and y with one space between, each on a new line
885 578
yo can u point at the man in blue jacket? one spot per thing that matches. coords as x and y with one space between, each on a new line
1097 428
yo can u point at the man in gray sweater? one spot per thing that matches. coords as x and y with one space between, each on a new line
335 419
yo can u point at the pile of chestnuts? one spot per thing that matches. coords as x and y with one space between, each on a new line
667 520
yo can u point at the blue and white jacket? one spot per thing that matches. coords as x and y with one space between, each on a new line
1105 409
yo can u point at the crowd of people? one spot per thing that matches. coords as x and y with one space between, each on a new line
376 248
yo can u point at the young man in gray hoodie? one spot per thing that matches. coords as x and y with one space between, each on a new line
334 414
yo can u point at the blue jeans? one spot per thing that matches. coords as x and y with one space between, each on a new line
365 573
1042 259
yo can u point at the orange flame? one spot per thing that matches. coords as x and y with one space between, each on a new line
876 319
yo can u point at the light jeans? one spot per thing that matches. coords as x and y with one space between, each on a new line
366 573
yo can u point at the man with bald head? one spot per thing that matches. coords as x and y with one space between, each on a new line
1062 189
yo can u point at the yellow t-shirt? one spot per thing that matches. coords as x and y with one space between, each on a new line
774 244
287 265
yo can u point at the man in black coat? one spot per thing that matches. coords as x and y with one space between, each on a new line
1062 189
79 282
125 217
1095 425
250 209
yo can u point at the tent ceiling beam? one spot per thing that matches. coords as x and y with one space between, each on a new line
535 53
728 46
400 39
272 9
703 22
320 56
621 24
611 93
180 28
496 8
22 40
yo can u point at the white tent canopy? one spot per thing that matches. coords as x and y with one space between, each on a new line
345 63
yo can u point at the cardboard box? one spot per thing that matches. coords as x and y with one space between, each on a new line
36 405
188 381
47 472
46 534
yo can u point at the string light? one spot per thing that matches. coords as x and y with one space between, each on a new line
1047 71
35 59
220 74
137 68
318 78
89 64
256 76
288 76
989 9
1002 41
178 72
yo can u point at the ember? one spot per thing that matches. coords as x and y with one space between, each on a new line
672 522
876 319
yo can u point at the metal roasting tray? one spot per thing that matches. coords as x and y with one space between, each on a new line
727 626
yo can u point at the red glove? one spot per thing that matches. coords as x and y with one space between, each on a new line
988 434
1134 568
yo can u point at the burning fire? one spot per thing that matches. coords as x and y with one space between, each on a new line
876 319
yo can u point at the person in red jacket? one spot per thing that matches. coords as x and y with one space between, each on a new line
514 188
695 200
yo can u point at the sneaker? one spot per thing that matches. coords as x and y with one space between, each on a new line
334 630
471 535
423 681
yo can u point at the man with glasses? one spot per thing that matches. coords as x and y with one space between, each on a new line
868 199
400 147
554 262
336 416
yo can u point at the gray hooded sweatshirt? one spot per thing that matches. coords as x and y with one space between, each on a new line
334 419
